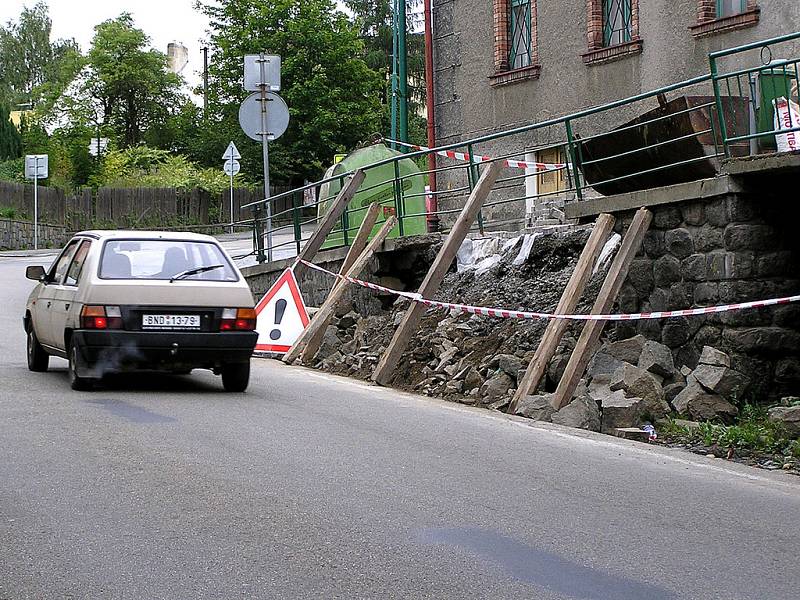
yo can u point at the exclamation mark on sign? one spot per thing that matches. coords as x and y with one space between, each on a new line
280 308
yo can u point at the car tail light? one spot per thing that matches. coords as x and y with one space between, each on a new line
101 317
238 319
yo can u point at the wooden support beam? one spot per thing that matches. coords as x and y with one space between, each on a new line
605 300
359 243
335 211
326 311
410 323
569 301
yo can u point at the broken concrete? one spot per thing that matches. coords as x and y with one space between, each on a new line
695 401
581 413
537 407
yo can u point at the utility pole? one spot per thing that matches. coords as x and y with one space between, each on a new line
402 69
393 130
205 82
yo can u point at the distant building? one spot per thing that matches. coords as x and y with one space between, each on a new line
178 56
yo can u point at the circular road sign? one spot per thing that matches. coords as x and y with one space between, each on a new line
277 116
231 167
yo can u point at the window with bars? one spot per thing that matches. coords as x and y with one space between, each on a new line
519 25
617 22
727 8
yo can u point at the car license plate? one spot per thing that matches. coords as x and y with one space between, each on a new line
171 321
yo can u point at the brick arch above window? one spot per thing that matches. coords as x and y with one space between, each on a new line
612 30
512 17
742 13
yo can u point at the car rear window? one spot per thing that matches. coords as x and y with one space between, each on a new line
164 259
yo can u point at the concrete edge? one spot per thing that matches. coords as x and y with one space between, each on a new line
679 192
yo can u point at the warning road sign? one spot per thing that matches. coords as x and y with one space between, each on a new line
281 315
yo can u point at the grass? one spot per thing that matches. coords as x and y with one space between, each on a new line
753 431
8 212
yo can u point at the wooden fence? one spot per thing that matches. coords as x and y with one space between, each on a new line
133 207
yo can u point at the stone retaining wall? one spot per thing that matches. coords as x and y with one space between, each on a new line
735 248
18 235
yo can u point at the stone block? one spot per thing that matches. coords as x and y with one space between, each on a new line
732 292
496 386
640 275
619 410
680 296
750 237
786 315
688 354
742 210
666 216
675 332
724 381
695 401
650 329
628 300
672 390
706 293
508 363
763 340
656 358
715 358
666 271
717 212
788 369
536 407
788 416
679 243
602 363
654 243
658 300
774 264
708 238
693 268
638 383
627 350
581 413
693 213
729 265
751 317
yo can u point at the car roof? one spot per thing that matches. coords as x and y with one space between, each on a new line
127 234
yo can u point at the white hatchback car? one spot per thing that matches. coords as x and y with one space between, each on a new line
117 301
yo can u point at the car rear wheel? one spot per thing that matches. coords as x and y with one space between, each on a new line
76 382
38 359
235 376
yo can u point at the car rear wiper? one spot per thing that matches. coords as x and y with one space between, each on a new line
195 271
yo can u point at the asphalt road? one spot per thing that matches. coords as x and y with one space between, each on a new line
309 486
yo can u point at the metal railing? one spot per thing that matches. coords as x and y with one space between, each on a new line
629 144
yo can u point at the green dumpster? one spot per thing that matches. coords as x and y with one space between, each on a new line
378 186
774 82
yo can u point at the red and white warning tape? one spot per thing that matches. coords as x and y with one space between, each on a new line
522 314
479 158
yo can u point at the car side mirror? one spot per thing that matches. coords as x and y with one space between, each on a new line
35 272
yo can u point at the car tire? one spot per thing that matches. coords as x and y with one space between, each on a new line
76 382
38 358
235 376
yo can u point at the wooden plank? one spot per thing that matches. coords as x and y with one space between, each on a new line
410 323
569 301
330 219
325 312
605 300
314 341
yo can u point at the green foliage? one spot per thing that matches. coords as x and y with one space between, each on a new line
13 170
8 212
333 95
151 167
10 140
752 431
132 84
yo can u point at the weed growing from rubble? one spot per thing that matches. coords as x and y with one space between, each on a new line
753 431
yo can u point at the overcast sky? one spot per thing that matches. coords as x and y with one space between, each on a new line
164 21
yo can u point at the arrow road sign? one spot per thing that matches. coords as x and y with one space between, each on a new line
231 167
231 152
277 116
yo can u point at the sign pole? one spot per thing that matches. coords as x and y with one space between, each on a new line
265 144
231 200
36 204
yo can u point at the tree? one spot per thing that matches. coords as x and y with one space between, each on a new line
10 141
333 96
132 85
374 20
29 59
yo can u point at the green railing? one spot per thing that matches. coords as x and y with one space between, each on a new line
632 143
